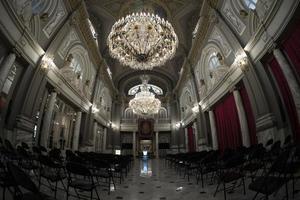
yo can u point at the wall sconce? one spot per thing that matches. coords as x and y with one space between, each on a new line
242 62
109 124
195 109
179 124
47 62
95 109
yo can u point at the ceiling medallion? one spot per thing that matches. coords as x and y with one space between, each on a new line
142 41
144 102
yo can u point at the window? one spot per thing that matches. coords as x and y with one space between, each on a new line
213 61
37 6
153 88
251 4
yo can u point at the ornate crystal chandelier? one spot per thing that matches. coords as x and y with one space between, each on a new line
142 41
144 103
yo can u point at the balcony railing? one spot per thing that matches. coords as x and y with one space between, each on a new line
133 121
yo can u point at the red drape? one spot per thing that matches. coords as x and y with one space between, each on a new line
249 115
291 46
287 97
191 139
227 124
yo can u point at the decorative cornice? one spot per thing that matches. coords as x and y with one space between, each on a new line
262 25
204 22
83 25
230 79
59 81
25 45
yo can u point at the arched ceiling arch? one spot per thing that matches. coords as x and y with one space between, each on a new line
133 78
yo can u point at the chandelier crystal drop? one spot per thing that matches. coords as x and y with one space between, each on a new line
142 41
144 103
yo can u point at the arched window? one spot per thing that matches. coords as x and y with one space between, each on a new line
162 114
213 61
251 4
128 113
153 88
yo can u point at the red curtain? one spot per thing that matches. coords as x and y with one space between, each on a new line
227 124
191 139
291 46
249 115
287 97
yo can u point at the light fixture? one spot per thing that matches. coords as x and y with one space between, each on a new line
142 41
144 103
195 109
47 62
95 108
242 62
179 124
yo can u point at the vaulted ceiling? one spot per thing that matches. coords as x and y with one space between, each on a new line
182 14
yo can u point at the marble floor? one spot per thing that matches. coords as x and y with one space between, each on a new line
153 180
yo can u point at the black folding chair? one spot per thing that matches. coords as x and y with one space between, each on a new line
52 172
6 181
272 179
27 161
231 171
255 161
80 179
103 173
21 179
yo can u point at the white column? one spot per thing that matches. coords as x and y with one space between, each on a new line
242 118
186 140
77 131
195 131
156 144
95 127
290 77
5 68
213 129
104 140
134 144
47 120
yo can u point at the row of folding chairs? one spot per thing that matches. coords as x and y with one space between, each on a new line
268 167
78 170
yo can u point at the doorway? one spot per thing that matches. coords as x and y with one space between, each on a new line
146 146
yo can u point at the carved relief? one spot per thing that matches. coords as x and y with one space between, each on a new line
219 38
24 10
68 72
233 19
65 45
218 73
56 19
263 7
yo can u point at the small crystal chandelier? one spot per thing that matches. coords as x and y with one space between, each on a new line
142 41
144 102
